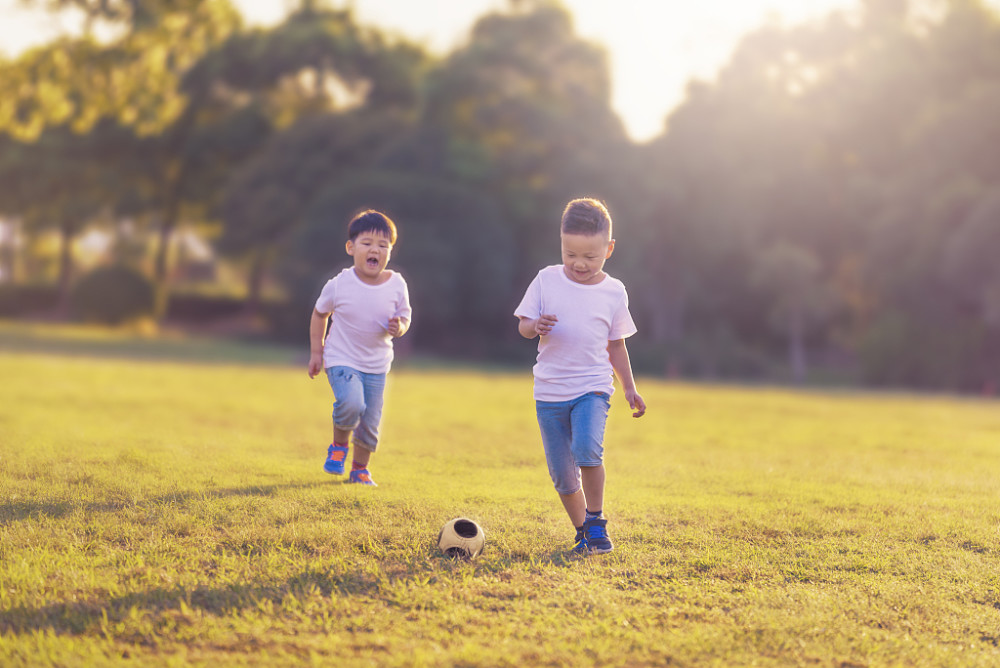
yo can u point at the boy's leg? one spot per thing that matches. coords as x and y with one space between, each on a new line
554 424
593 487
348 407
576 506
588 418
367 432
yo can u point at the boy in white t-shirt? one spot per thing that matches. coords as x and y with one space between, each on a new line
581 317
370 306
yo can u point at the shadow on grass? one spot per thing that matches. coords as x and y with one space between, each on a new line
16 511
179 603
20 510
85 617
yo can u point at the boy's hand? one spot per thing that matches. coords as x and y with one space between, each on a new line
315 364
396 327
545 323
636 403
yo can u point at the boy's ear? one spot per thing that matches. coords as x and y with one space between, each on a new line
611 249
350 247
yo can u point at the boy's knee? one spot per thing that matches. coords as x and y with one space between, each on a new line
349 412
588 454
567 490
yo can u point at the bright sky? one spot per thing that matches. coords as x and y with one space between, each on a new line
655 46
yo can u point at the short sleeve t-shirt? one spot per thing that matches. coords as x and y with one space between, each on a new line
359 336
573 358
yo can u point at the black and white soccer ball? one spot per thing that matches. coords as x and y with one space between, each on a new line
461 537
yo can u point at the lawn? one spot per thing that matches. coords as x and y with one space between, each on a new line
171 509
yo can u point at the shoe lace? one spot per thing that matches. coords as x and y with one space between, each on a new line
597 531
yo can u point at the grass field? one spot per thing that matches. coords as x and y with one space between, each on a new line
163 509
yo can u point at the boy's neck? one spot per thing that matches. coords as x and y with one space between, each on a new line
378 280
594 280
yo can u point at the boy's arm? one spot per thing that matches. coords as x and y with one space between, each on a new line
399 324
618 354
317 337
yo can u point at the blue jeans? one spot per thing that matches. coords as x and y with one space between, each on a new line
573 436
358 403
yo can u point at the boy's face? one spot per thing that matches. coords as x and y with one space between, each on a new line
584 255
370 251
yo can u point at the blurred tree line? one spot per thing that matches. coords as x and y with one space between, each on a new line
831 203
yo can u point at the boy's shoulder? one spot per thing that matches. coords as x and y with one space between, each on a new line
553 271
342 274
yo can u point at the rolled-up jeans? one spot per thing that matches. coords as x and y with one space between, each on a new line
573 436
357 403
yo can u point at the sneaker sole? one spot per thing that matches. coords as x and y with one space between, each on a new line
602 550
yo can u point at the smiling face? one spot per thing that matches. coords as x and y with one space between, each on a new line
371 252
584 255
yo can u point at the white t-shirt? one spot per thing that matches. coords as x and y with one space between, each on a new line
573 358
358 336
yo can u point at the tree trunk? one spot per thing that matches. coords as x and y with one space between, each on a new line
8 251
161 279
796 347
255 283
65 270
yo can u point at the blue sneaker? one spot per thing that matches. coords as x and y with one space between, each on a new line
336 455
362 477
580 542
596 535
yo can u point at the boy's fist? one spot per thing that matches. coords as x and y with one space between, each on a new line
395 327
545 323
315 364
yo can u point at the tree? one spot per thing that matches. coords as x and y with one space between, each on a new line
790 277
55 183
266 199
523 113
340 95
133 82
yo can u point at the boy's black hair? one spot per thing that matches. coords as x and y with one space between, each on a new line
371 220
586 216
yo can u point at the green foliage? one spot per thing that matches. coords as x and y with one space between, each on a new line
894 353
266 200
523 113
185 517
864 141
112 295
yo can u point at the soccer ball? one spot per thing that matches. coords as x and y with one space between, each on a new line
461 537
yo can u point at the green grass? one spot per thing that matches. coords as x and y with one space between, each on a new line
175 512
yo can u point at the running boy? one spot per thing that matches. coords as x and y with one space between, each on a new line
370 306
581 317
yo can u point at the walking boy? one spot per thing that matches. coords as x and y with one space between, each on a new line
581 317
370 306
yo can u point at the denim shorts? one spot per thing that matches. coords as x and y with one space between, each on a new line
573 436
357 403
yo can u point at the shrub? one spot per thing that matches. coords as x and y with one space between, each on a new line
112 295
25 299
